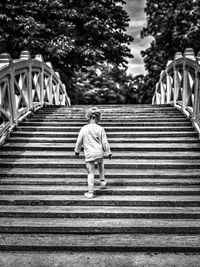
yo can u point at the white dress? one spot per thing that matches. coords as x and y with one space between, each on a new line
94 140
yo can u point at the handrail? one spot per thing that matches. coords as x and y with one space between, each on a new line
179 85
26 85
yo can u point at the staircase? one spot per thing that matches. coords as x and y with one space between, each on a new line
151 203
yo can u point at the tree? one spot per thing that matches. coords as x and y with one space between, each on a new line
105 83
174 25
70 34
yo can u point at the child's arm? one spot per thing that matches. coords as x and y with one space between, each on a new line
105 144
79 143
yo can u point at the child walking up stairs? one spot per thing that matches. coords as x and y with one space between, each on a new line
151 201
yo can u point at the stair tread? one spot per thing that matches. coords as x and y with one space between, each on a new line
124 154
152 198
101 199
121 241
115 172
113 145
108 188
99 209
117 128
108 162
112 182
97 222
111 140
118 133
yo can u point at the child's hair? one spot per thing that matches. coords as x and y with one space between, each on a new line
93 113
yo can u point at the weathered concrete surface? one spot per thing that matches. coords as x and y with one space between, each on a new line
72 259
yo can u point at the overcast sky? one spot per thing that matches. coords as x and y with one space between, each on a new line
135 9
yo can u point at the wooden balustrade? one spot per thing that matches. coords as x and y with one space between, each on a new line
179 85
26 84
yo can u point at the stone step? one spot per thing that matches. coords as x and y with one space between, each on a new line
112 181
111 117
152 198
108 113
103 200
104 243
117 155
115 140
122 117
114 164
108 129
109 190
38 122
109 135
110 121
100 212
114 173
99 226
114 146
106 110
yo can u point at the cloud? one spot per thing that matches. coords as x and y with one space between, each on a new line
136 69
135 9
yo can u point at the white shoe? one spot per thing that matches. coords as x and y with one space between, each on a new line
103 183
89 195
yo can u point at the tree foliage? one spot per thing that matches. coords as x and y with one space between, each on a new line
174 25
70 34
105 83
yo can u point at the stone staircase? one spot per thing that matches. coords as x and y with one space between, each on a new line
151 203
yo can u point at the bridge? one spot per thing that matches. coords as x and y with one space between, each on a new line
152 201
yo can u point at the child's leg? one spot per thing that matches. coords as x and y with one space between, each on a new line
90 169
100 164
101 169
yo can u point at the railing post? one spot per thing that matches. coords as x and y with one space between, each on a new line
5 60
175 85
196 114
196 95
25 55
168 83
50 85
40 58
12 95
188 53
185 86
176 88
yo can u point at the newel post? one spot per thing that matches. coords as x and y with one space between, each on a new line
6 60
50 89
40 58
197 89
25 55
188 53
176 83
168 82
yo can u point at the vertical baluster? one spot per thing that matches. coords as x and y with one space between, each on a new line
50 89
25 55
12 94
185 86
196 96
42 86
188 53
197 89
168 82
5 60
41 79
176 83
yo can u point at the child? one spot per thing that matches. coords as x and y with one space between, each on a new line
95 143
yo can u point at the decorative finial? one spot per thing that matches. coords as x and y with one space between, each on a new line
25 55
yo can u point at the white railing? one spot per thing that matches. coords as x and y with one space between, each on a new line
179 85
26 85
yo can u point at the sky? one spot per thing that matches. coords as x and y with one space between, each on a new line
135 9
